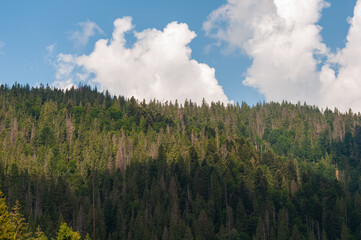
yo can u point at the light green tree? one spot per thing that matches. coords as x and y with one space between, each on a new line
6 228
21 228
39 235
67 233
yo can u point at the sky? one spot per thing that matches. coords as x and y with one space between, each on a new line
220 50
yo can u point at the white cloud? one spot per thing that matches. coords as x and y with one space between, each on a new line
342 90
65 65
158 65
88 29
282 38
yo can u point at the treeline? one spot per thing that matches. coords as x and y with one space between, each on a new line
179 170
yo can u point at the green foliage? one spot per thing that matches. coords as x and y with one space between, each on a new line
13 225
39 235
18 221
67 233
175 171
6 227
47 136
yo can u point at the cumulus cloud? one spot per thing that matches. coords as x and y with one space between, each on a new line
341 82
157 66
282 39
65 66
88 29
68 72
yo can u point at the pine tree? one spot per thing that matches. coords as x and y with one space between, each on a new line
67 233
39 235
18 221
188 234
296 235
6 227
345 233
283 230
260 231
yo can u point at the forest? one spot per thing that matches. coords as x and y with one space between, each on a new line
174 170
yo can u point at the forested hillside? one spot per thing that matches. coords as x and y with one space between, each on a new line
179 170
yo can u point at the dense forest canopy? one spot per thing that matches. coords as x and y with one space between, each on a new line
178 170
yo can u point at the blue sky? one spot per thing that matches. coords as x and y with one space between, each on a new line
27 28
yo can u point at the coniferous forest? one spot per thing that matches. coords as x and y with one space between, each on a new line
174 170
